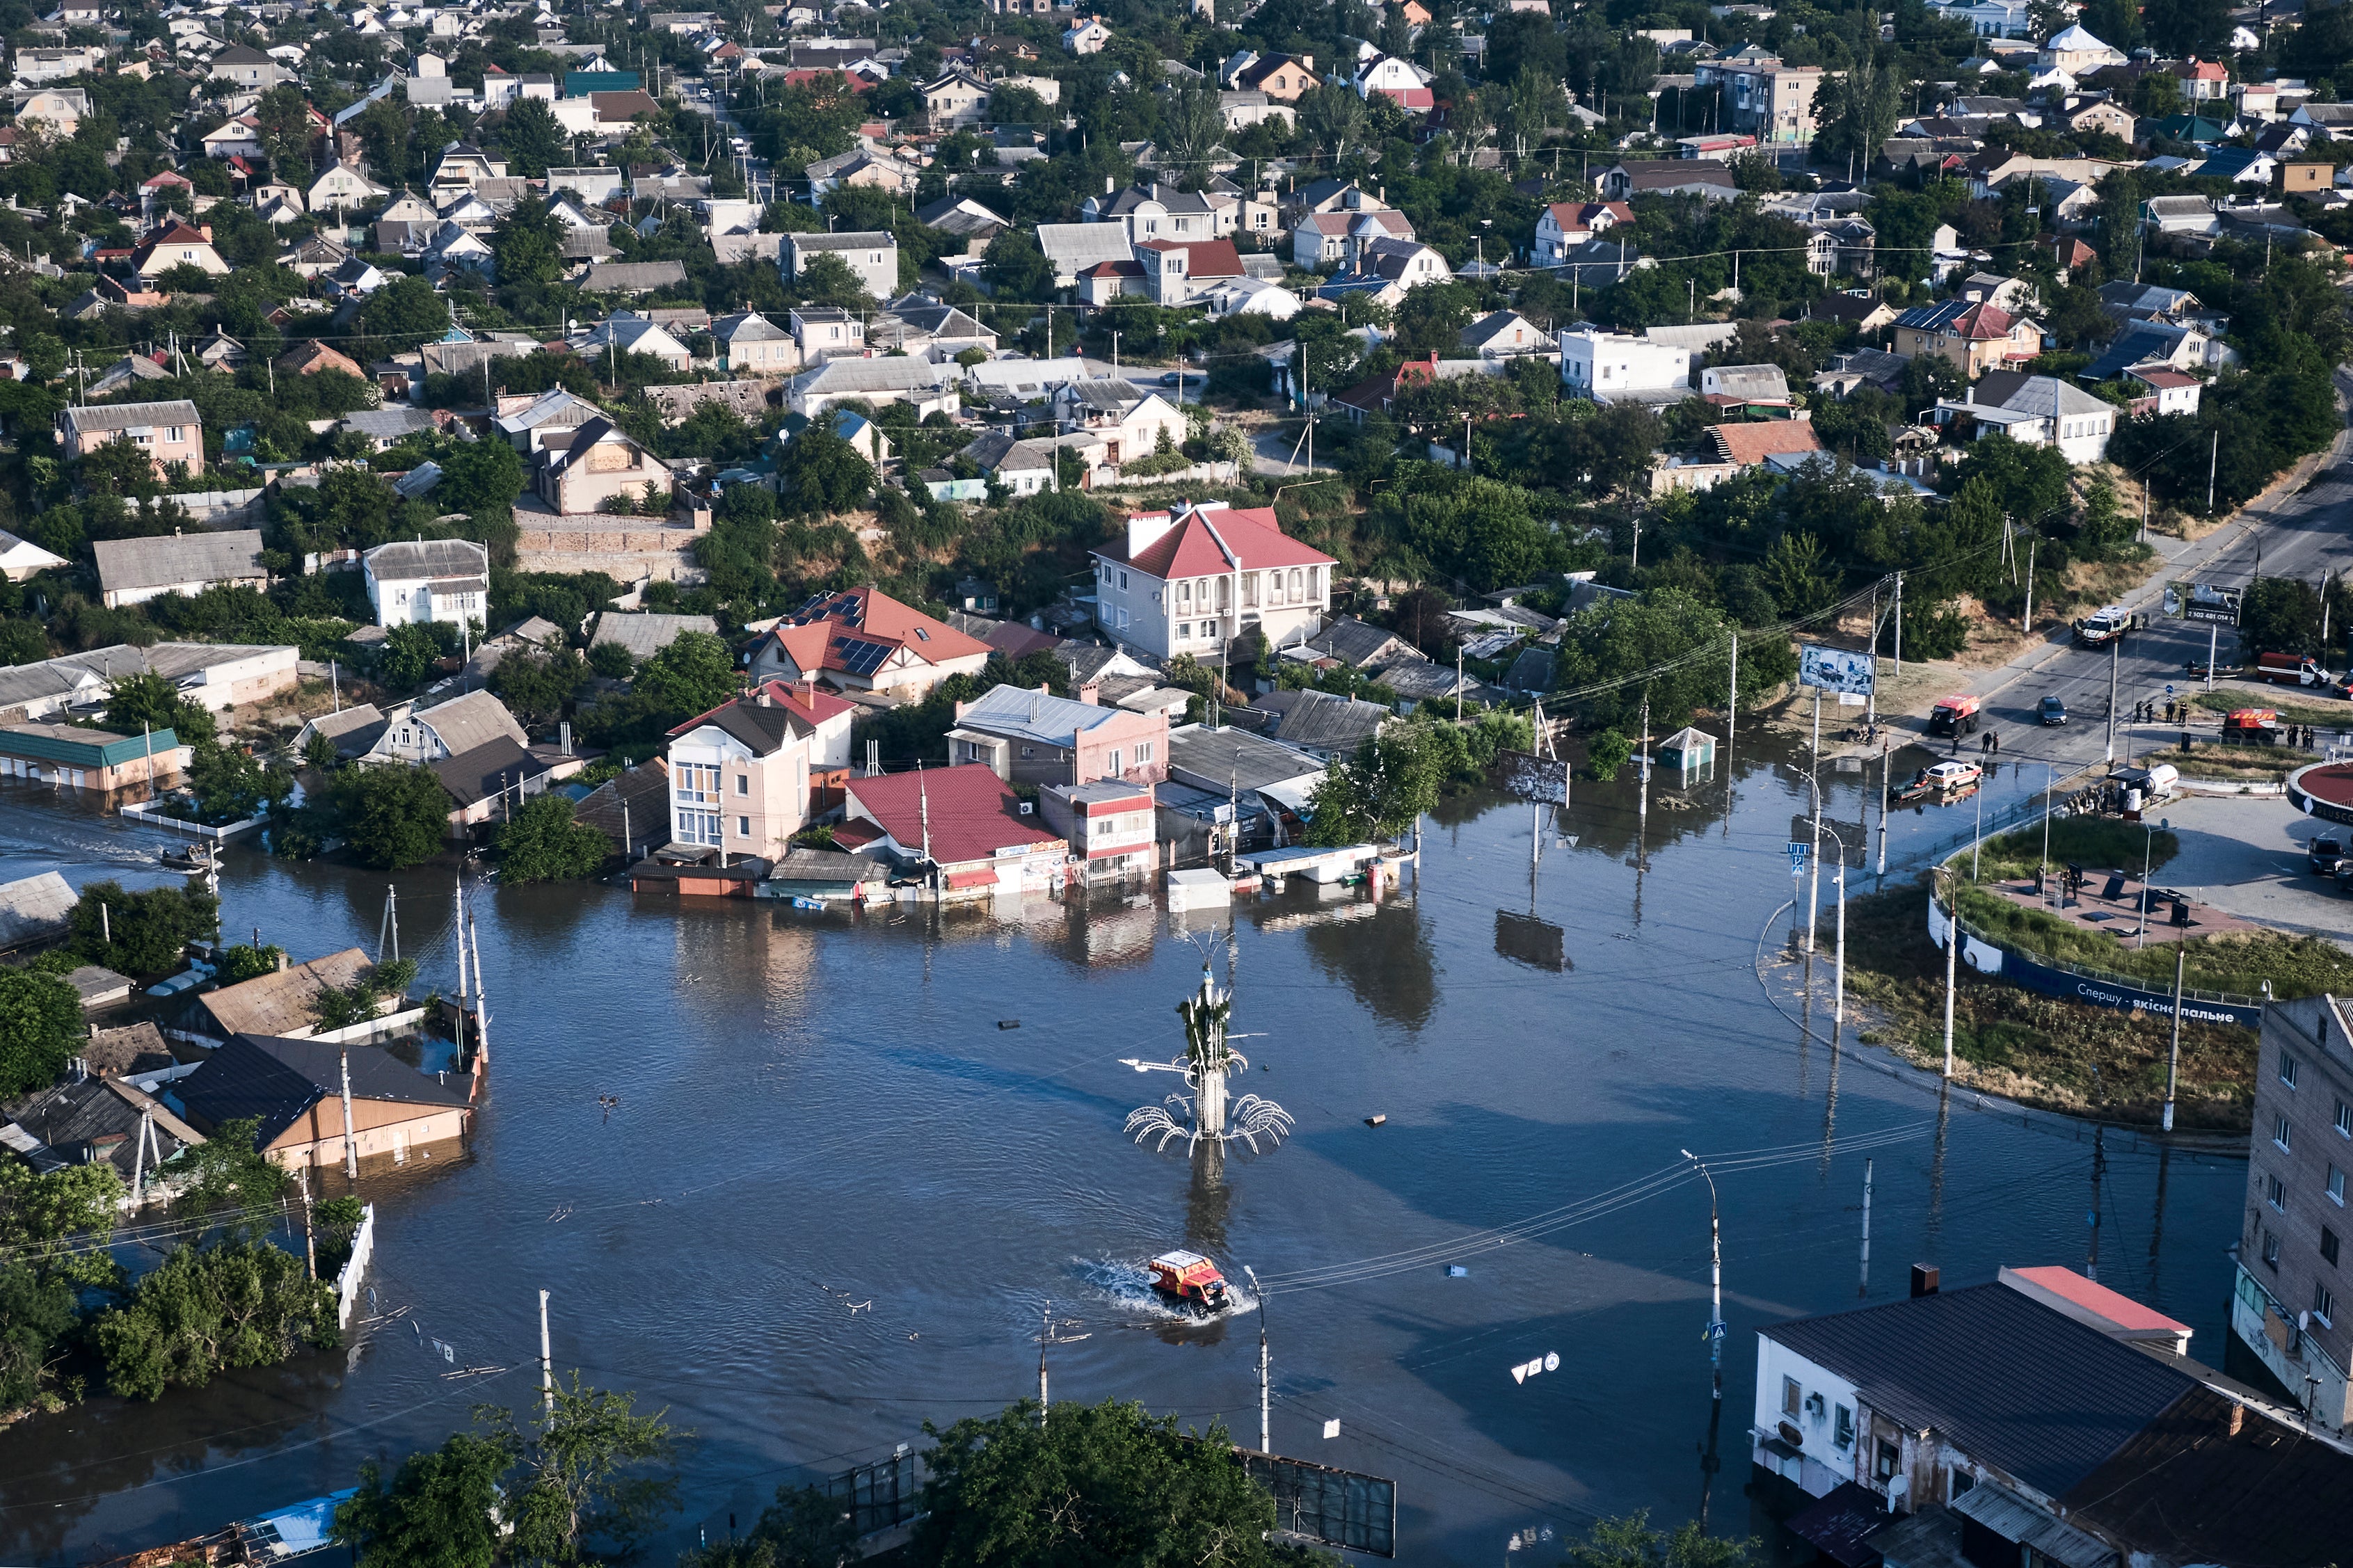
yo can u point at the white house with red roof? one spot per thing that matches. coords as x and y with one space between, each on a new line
1175 271
1565 226
865 640
747 775
1191 579
961 829
177 245
1406 84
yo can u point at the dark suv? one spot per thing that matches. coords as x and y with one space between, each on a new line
2324 856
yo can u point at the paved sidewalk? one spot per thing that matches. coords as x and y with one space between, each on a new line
2244 856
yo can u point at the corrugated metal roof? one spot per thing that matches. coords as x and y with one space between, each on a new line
1035 716
77 747
646 634
129 416
2003 1378
34 908
474 720
233 555
426 560
279 1004
275 1080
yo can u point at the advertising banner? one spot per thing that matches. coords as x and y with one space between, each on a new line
1846 671
2203 602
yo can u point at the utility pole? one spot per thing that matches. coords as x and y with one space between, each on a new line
546 1364
1838 963
309 1242
2173 1052
1732 699
1716 1276
1886 761
1265 1401
2116 655
1952 965
1814 861
351 1149
1899 622
2213 458
2029 626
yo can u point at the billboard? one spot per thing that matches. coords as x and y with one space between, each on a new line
1538 943
1531 777
1848 671
2203 602
1336 1508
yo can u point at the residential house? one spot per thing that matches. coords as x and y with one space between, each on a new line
862 166
21 560
1563 227
304 1094
58 110
2077 52
948 329
1634 177
600 460
277 1004
872 258
72 756
2101 115
1285 78
747 775
353 731
341 188
966 219
864 640
246 67
1071 248
1132 422
1326 727
1860 309
1606 366
1769 100
530 422
1321 240
1402 82
2038 410
446 580
955 99
1975 338
176 244
1108 823
1742 390
473 725
632 277
645 633
922 385
134 571
237 137
1035 738
961 829
1086 36
1191 579
1501 334
1176 272
169 432
1155 211
625 333
751 344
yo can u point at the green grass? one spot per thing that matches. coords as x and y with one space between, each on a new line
2085 841
2232 765
2337 717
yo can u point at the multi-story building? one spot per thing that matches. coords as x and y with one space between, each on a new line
872 256
428 580
864 640
1189 580
1108 823
746 776
2291 1311
1036 738
1975 338
1770 101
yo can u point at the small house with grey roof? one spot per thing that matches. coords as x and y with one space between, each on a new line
428 580
1036 738
169 432
134 571
872 256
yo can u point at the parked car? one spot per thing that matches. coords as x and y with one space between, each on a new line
2324 856
2051 710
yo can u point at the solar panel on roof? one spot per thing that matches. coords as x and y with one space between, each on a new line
862 657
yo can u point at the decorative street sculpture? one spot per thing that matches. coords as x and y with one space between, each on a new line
1206 1065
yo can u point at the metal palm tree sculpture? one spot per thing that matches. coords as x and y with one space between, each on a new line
1205 1066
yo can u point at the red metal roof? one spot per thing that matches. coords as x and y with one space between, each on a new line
1204 257
1190 549
1750 444
2121 1311
974 813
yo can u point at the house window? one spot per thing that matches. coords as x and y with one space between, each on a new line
1842 1429
2328 1246
743 783
2276 1193
2337 1187
1143 753
742 827
2324 1306
2287 1069
1792 1396
2271 1252
1113 760
2282 1133
1026 751
1183 630
1122 582
2344 1120
1885 1463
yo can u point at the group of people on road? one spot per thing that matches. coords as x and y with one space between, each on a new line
1988 743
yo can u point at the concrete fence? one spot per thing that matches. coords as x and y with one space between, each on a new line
347 1283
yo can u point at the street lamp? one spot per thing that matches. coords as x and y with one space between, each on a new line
1265 1440
1838 963
2147 858
1952 956
1715 1274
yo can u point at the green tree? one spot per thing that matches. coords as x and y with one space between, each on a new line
2280 614
596 1472
1091 1484
402 315
229 786
1331 116
532 141
142 933
1190 126
694 674
612 660
282 118
435 1512
480 478
40 1024
212 1310
1381 790
542 843
528 243
36 1315
821 473
826 279
229 1174
1016 268
536 687
409 653
151 701
1631 1542
393 816
247 962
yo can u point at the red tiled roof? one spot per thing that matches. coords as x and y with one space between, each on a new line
2166 379
1204 258
1408 97
1190 549
974 813
1981 321
1115 269
1751 443
821 637
807 701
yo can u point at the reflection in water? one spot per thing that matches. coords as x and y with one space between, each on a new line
2091 1219
1710 1460
2157 1221
1936 1229
1383 955
1208 1199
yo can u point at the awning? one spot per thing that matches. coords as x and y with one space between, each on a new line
982 878
1837 1523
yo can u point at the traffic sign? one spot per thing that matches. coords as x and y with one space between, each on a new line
1715 1330
1796 857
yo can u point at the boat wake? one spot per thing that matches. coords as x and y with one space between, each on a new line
1127 1283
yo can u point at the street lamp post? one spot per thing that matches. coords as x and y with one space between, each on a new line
1265 1438
1714 1275
1838 960
1952 961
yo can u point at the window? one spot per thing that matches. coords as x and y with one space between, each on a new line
2344 1120
1122 582
2328 1246
2337 1187
1143 753
2271 1252
1884 1462
2324 1306
2282 1133
1842 1428
2287 1069
1791 1396
742 827
743 783
1113 760
1183 630
1028 751
2276 1193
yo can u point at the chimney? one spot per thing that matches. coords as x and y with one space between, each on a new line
1110 185
281 963
2236 1420
206 230
1090 694
1924 1280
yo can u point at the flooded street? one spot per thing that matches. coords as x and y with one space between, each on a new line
836 1196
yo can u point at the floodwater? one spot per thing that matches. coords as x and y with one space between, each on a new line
835 1198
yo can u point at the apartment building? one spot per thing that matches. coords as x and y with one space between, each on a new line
748 775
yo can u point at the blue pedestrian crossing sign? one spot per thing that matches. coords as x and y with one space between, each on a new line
1715 1330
